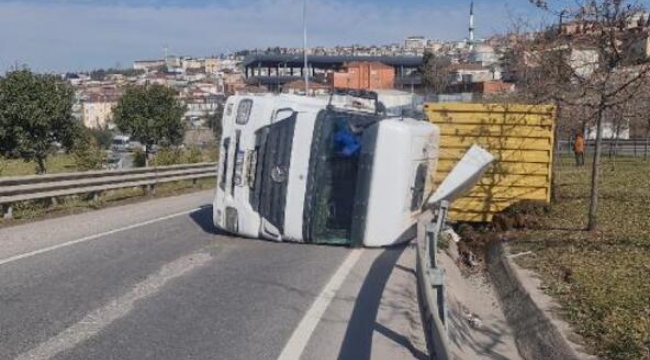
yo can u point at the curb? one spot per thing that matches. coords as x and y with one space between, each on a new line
537 335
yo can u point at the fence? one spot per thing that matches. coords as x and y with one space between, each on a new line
611 147
24 188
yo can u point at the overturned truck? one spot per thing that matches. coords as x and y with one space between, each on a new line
322 171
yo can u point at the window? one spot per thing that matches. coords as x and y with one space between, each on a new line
334 170
244 111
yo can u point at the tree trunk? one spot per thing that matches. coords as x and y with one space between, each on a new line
146 155
555 173
593 207
40 166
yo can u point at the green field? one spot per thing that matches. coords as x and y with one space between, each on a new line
55 164
602 279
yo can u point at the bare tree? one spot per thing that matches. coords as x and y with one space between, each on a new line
436 73
602 72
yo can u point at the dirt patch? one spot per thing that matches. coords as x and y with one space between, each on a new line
505 226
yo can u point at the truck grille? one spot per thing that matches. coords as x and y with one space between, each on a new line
269 198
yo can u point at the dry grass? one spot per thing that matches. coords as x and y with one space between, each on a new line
603 278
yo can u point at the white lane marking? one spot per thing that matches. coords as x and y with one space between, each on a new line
100 318
91 237
294 348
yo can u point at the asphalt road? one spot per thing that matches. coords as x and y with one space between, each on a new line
119 284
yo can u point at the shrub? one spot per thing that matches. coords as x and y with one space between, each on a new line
194 156
139 158
87 155
168 156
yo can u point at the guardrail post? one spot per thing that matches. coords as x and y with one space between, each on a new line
436 274
97 195
8 212
151 189
54 201
195 183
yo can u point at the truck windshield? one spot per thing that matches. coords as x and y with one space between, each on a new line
332 184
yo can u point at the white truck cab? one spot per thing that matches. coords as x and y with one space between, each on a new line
295 168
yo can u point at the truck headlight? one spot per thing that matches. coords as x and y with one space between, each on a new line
239 168
232 220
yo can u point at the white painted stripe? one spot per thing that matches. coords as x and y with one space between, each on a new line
297 343
95 321
91 237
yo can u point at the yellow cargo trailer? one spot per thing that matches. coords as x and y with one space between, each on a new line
519 136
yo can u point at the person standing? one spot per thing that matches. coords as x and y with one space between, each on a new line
579 149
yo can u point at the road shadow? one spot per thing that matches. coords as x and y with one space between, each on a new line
203 218
357 343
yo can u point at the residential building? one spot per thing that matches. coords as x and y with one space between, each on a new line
97 110
148 65
192 64
415 43
466 73
233 83
212 65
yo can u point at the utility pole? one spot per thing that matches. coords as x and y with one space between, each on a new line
304 46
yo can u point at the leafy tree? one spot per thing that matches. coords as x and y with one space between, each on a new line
98 75
35 112
103 137
151 115
214 122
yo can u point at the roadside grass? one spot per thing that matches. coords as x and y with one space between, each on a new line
602 279
39 209
63 163
58 163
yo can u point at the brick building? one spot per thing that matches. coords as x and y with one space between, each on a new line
363 76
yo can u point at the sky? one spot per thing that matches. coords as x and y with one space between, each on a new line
75 35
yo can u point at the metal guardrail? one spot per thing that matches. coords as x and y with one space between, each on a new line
34 187
430 278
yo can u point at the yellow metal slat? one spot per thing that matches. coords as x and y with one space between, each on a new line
461 130
508 120
506 180
509 192
445 166
497 143
519 156
546 110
